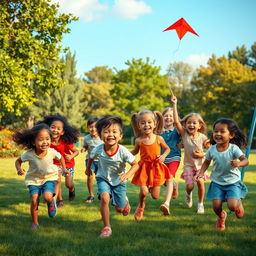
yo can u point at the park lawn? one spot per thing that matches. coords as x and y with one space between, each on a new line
75 229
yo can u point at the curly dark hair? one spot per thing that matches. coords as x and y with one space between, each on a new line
26 138
108 120
71 133
239 137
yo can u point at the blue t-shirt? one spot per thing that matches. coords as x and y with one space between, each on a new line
111 166
223 173
91 143
172 138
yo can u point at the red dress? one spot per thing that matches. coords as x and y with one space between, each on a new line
151 172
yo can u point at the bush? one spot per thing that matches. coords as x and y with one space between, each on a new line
8 148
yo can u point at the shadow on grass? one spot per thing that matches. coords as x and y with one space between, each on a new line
76 228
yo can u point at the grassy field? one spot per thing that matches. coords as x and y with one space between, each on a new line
76 228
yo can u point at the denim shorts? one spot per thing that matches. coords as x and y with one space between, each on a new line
94 165
224 192
70 169
117 193
48 186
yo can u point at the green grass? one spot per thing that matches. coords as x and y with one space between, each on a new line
76 228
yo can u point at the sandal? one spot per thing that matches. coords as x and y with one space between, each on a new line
89 199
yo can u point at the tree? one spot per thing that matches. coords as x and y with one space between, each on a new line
66 100
240 54
139 86
30 36
99 74
225 88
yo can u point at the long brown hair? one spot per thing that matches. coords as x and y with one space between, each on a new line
157 117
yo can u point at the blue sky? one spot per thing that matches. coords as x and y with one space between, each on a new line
110 32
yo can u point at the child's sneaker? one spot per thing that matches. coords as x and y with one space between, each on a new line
106 232
52 209
72 195
240 211
138 213
175 192
220 224
35 226
189 200
164 208
200 209
127 208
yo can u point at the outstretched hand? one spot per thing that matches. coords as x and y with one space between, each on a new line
174 99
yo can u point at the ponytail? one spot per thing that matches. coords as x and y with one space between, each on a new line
159 122
135 127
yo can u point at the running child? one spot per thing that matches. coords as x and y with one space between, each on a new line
111 177
63 138
192 128
172 161
152 171
226 184
42 173
90 142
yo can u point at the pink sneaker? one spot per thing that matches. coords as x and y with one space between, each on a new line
106 232
127 208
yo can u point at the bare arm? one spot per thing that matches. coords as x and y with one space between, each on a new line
202 170
176 117
74 151
165 147
63 165
136 149
88 170
134 168
20 171
243 162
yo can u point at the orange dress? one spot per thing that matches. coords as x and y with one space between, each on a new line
151 172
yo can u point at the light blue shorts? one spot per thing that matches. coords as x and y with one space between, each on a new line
48 186
94 165
224 192
117 193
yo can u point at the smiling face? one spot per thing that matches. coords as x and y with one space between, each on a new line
92 130
57 129
111 135
221 134
192 125
42 141
168 119
147 123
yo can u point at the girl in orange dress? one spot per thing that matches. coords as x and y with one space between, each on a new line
152 172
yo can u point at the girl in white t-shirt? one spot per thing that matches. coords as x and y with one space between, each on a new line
226 184
42 173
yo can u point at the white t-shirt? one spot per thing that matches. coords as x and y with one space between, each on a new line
91 143
40 169
223 173
111 166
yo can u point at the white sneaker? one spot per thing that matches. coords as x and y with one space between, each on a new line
200 209
189 200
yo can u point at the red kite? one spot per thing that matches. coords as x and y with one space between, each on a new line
181 27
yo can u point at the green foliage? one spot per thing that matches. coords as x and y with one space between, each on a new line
225 88
65 100
139 86
30 36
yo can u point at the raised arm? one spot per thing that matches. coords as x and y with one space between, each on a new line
176 117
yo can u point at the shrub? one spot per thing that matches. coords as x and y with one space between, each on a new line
8 148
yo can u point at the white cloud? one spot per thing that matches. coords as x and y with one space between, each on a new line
197 60
87 10
130 9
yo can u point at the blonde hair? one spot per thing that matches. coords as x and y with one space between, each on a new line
157 117
201 121
166 110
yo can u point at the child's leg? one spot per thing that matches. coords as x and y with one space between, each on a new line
189 188
217 206
90 185
222 215
58 192
155 192
69 183
236 206
104 208
34 208
142 196
201 190
48 197
169 191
